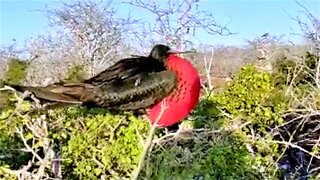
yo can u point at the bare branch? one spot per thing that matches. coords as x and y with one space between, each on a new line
177 21
148 142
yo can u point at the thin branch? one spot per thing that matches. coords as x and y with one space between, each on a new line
20 100
148 142
29 149
294 146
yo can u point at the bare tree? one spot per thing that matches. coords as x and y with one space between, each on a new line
310 28
93 28
265 45
51 55
85 33
177 21
265 48
6 52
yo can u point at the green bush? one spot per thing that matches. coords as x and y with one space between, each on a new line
76 73
93 143
9 156
206 115
209 157
298 73
96 143
16 72
252 97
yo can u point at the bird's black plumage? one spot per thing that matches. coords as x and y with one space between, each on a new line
133 67
130 84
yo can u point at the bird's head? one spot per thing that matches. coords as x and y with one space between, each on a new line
162 52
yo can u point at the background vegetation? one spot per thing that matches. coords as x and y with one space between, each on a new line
258 118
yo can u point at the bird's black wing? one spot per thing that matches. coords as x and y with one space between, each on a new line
121 95
128 96
126 68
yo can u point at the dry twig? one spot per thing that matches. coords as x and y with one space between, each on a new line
148 142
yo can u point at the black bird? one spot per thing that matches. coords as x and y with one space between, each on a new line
134 84
130 84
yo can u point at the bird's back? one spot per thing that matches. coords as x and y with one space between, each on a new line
127 68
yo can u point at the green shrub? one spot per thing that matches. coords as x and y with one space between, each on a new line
209 157
252 97
206 115
8 148
76 73
298 73
96 143
16 72
93 143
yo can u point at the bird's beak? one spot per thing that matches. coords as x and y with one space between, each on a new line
181 52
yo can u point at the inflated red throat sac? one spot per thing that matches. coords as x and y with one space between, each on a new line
178 104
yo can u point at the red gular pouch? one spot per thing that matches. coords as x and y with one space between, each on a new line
179 103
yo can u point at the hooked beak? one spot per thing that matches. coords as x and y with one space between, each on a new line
181 52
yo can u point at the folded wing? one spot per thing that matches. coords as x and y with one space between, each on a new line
120 94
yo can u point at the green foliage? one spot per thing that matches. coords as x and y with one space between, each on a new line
252 97
206 115
288 71
10 143
97 143
92 142
10 156
4 101
16 72
76 73
218 158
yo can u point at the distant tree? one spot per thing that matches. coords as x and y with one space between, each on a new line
86 33
8 52
310 28
265 45
94 30
175 22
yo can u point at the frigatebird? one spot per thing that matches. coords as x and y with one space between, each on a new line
141 82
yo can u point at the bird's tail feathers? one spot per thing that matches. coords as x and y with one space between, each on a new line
68 93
